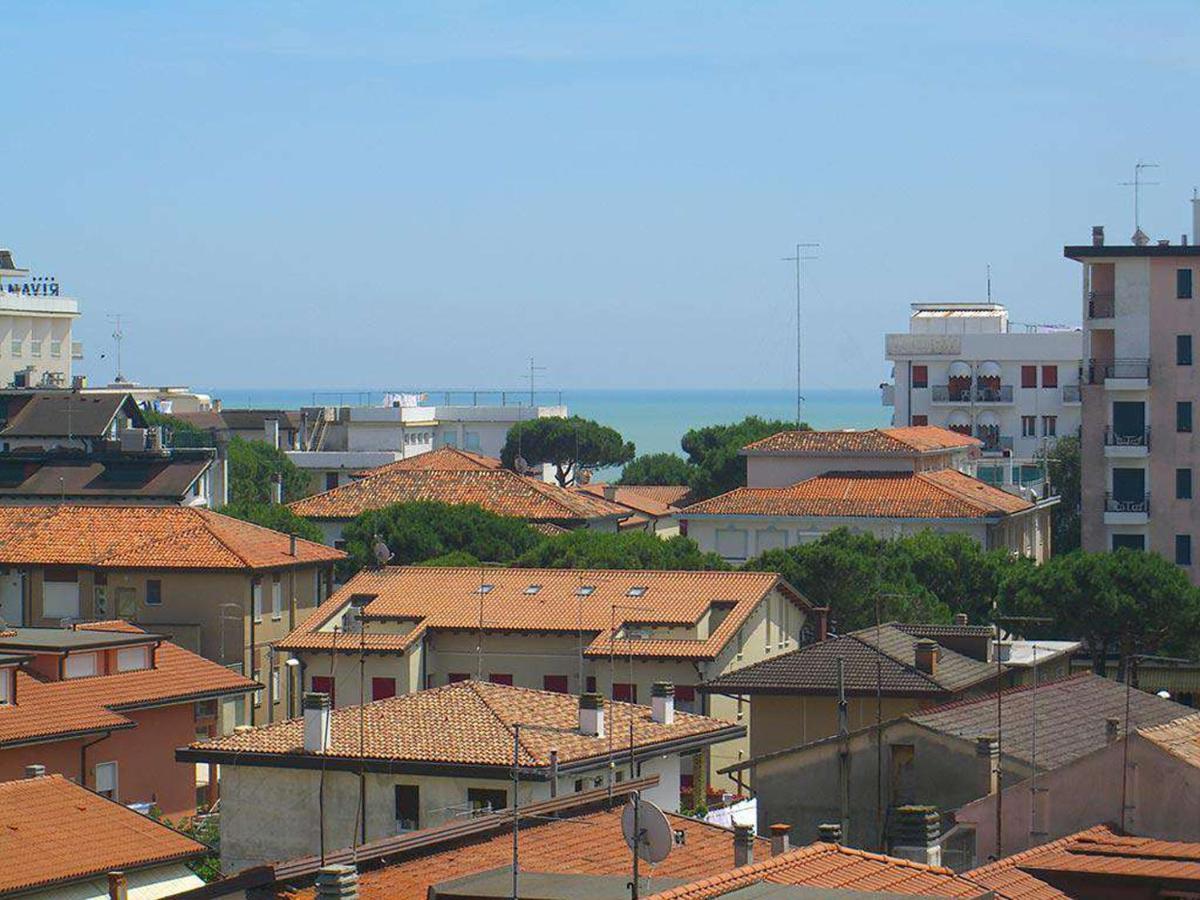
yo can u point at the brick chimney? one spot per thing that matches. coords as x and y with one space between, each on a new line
987 749
1097 235
926 656
829 832
337 883
591 715
915 834
316 722
743 845
780 841
118 886
662 702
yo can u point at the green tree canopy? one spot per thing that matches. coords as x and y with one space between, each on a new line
657 468
424 531
713 452
251 466
584 549
274 516
1065 467
569 444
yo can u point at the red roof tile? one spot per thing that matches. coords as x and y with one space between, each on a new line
638 498
910 441
1102 852
53 832
1008 879
444 459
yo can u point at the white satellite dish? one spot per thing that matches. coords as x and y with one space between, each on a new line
653 837
520 465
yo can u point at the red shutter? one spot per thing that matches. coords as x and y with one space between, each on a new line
591 684
323 684
1028 376
685 693
624 693
456 676
920 376
500 678
919 420
382 688
556 683
1049 376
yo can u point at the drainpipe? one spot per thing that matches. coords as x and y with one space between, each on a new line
253 715
83 756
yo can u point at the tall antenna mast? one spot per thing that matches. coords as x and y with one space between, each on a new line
118 336
533 370
1137 184
799 259
989 282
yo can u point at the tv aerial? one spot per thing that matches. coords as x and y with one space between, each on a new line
647 833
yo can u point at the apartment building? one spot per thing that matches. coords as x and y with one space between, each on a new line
1140 387
968 368
36 348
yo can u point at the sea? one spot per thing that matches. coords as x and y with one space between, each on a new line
655 420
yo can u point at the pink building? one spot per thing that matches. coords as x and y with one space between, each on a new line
1139 384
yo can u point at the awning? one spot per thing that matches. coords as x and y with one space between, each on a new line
988 420
958 419
989 370
959 369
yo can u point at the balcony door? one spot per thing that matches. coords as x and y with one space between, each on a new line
1129 419
1129 485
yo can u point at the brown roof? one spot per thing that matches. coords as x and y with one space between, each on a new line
832 866
165 478
49 710
146 537
1180 738
53 832
470 723
444 459
638 498
448 598
501 491
939 494
62 413
910 441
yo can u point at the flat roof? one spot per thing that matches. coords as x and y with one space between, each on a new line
70 639
1088 251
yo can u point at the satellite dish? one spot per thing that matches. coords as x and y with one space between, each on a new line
654 838
382 554
520 465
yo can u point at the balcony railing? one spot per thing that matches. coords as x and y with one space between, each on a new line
1126 438
1097 371
1070 393
943 393
1101 304
1127 505
994 442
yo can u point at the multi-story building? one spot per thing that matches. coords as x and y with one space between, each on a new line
966 367
1140 387
36 348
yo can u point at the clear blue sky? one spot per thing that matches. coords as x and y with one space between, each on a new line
383 195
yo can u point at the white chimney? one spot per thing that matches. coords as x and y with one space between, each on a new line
276 488
591 715
271 432
662 702
316 722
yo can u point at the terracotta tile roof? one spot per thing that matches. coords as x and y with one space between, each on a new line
444 459
1103 852
1007 879
910 441
1180 738
448 598
53 832
940 494
146 537
498 490
832 866
549 528
813 669
471 723
638 498
590 843
1071 714
46 710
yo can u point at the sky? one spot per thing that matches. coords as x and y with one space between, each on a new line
407 195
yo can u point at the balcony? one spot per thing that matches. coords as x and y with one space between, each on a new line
994 443
1126 444
1126 510
1071 394
1117 374
943 393
1101 304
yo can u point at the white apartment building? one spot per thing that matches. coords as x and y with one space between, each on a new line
965 367
36 349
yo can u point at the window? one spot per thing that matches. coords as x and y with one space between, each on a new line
685 696
275 698
382 688
6 676
741 712
1049 376
920 376
16 348
501 678
585 590
1183 484
105 775
1183 284
483 589
578 785
131 659
732 543
35 349
639 591
1183 549
60 593
1050 426
533 589
624 692
1183 415
1028 426
449 439
484 800
331 480
457 676
205 710
256 675
408 807
919 420
56 349
1183 349
471 441
323 684
154 592
1129 541
591 684
256 599
80 665
1028 376
277 598
555 683
127 603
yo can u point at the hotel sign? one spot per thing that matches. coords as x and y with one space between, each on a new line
41 286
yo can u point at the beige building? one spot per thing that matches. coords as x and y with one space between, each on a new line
1140 388
221 587
615 632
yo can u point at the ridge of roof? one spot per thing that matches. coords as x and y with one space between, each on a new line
913 440
991 697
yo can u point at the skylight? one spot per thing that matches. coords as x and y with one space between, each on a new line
533 589
585 590
638 591
483 588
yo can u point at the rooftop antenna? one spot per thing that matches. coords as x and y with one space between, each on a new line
1137 184
989 282
118 336
533 370
799 259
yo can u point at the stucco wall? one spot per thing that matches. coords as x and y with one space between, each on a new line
782 721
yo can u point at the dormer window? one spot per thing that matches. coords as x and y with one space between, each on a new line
639 591
585 590
132 659
80 665
6 686
533 589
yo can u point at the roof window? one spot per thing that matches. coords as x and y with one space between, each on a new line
484 589
585 590
533 589
637 591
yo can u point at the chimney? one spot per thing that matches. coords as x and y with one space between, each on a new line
553 772
822 614
591 715
1140 238
610 492
926 656
271 432
1112 729
316 722
662 702
337 883
960 619
1164 242
915 834
118 886
780 843
292 544
35 771
743 845
1097 235
988 750
829 832
276 488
